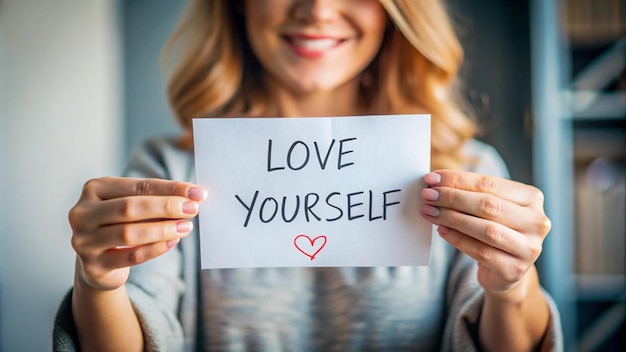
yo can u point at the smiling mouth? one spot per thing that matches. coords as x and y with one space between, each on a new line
310 46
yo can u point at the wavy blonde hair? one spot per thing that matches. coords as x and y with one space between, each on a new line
414 72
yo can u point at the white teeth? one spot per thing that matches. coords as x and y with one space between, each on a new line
314 44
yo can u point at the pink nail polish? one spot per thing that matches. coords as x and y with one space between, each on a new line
197 193
430 194
190 207
432 178
184 226
172 243
430 210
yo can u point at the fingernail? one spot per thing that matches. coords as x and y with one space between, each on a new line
184 226
430 210
190 207
172 243
197 193
442 230
432 178
430 194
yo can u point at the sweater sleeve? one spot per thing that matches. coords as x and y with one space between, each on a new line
64 336
155 288
464 294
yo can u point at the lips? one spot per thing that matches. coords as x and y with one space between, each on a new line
312 46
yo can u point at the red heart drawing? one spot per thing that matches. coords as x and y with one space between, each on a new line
311 244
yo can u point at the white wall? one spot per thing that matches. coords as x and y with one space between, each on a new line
147 24
60 124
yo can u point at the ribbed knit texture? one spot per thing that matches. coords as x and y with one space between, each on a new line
300 309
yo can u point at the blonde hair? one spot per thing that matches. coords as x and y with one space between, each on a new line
415 71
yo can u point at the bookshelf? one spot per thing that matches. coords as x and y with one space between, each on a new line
579 94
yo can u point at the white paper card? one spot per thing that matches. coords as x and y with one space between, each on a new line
313 192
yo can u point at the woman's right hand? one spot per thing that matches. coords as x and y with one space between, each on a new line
121 222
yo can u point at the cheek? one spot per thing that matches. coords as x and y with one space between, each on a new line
259 7
262 18
256 25
372 20
260 15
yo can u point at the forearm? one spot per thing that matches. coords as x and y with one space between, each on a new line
105 320
516 320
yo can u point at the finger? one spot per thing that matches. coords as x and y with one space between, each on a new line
138 234
117 187
482 205
124 257
502 263
140 208
488 232
512 191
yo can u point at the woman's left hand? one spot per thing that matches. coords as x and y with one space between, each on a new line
498 222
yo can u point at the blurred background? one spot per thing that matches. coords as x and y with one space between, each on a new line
81 84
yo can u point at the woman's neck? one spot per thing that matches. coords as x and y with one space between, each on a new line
341 101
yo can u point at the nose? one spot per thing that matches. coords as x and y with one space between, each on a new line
315 10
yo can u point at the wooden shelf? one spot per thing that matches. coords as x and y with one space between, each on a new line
589 22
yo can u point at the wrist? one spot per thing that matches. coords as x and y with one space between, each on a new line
85 284
518 292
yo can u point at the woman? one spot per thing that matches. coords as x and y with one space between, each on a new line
138 286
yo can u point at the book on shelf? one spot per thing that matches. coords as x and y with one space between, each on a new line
589 21
600 217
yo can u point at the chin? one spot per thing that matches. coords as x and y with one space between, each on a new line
314 86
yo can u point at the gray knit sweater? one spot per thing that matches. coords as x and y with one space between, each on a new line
301 309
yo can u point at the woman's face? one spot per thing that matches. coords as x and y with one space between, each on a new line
310 46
